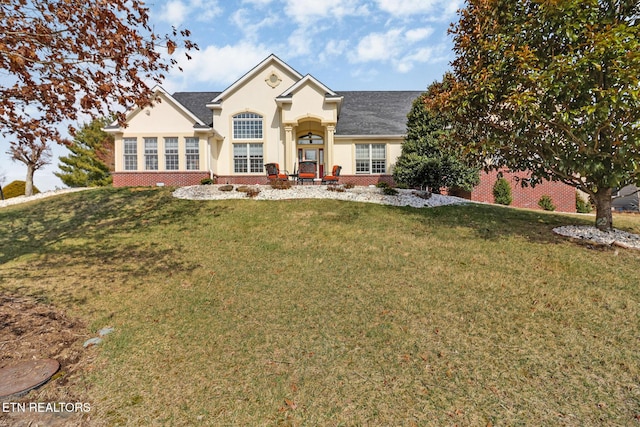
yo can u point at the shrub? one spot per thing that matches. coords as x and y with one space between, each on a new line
502 192
546 203
382 185
349 185
388 191
280 184
206 181
582 206
335 188
15 189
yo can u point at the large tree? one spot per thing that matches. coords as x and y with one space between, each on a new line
552 87
63 58
428 159
86 165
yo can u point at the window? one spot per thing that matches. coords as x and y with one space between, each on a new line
193 153
130 154
151 154
171 154
371 158
247 158
247 126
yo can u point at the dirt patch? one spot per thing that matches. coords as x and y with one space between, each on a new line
30 330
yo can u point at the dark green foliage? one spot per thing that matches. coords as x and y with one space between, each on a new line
582 206
427 159
502 192
551 88
15 189
546 203
91 150
382 184
206 181
389 191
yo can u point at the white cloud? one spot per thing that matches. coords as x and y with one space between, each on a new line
177 12
441 9
244 20
397 48
306 12
418 34
378 46
215 68
174 12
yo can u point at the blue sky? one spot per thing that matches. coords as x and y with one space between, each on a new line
346 44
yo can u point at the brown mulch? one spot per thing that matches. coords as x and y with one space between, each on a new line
31 330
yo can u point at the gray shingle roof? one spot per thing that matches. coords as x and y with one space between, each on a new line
196 102
362 113
375 112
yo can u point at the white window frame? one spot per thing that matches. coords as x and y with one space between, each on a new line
192 153
171 157
368 164
248 126
248 158
151 154
130 156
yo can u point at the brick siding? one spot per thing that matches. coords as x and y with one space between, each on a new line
146 179
562 195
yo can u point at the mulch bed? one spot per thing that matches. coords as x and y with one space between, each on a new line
30 330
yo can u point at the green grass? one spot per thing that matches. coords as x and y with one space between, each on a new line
322 312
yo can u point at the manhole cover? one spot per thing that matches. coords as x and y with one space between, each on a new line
24 376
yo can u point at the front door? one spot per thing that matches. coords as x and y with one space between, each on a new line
315 155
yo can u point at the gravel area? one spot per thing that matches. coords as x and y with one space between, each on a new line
593 235
43 195
357 194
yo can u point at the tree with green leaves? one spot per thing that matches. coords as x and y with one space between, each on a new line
86 166
427 159
552 87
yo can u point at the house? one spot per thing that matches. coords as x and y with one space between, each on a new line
626 199
272 114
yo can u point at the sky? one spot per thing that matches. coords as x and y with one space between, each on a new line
345 44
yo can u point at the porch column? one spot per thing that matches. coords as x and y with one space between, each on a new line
331 129
289 148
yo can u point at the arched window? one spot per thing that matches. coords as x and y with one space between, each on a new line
310 139
247 126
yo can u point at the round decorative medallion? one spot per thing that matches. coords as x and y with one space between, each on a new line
273 80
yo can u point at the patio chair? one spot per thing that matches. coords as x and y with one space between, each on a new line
334 177
306 171
273 172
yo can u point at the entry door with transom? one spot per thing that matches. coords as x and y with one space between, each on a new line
308 150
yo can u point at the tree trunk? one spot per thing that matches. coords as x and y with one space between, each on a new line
604 218
28 183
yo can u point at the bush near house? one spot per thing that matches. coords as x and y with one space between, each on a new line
582 205
546 203
15 189
502 192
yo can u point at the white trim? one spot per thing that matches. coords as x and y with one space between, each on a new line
215 102
309 78
157 89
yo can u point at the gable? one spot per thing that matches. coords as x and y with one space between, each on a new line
309 98
167 116
262 72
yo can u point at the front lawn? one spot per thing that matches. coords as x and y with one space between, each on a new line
320 312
